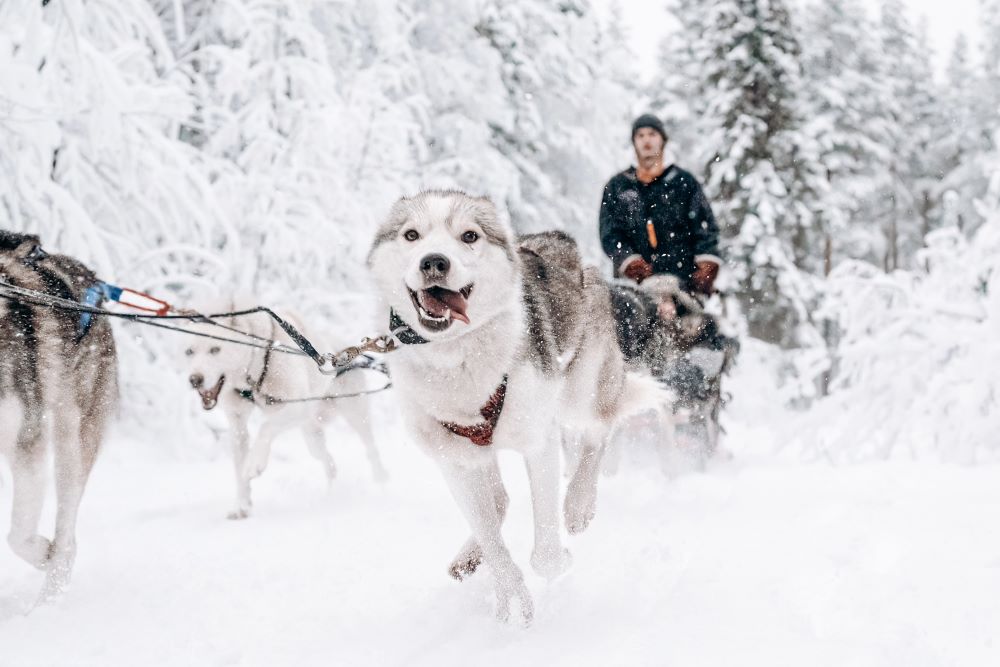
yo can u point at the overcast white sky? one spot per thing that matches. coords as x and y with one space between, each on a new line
649 22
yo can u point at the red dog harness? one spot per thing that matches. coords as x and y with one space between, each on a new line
482 433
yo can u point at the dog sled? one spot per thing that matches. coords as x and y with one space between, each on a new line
667 332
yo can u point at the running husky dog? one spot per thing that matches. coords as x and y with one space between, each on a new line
505 341
243 379
58 380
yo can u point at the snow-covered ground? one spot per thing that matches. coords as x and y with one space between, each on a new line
754 562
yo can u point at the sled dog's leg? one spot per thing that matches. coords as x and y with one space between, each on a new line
238 419
470 556
548 558
28 468
71 478
361 423
472 488
581 494
316 441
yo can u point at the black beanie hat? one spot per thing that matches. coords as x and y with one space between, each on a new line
650 121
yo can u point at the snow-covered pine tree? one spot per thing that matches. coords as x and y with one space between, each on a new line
964 139
745 77
453 127
913 347
94 103
841 95
907 205
989 11
565 129
270 107
676 90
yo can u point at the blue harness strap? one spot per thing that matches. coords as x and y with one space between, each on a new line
93 297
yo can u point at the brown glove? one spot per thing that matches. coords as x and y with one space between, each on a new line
638 270
703 278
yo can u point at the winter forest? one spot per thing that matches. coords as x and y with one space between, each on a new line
187 148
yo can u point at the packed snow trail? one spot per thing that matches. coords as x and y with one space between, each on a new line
878 564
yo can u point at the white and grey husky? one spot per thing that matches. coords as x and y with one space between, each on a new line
506 341
58 381
243 379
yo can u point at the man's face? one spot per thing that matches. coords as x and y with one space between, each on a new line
648 143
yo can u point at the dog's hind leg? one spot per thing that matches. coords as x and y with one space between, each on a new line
238 419
28 468
76 444
316 441
470 556
549 558
361 423
472 489
581 493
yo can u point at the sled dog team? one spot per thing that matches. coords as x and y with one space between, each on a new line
506 342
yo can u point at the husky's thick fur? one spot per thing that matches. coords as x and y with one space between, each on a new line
511 323
58 382
243 379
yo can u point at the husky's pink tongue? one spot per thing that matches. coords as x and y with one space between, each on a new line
439 302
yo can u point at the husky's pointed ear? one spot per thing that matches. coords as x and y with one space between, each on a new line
389 229
495 226
483 204
21 244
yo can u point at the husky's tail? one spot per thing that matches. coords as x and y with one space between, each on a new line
642 393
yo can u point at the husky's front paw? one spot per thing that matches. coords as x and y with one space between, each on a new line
238 514
254 465
466 562
525 606
34 549
579 509
550 564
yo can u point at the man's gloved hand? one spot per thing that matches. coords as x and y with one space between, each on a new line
638 270
703 278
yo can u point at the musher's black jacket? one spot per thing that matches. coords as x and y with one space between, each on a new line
683 226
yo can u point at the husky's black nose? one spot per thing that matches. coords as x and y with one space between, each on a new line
197 380
434 266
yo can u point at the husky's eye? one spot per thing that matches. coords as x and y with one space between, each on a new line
411 235
470 237
188 352
215 349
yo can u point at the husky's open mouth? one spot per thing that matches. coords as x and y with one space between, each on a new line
210 397
437 307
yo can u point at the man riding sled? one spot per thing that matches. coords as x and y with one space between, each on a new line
658 229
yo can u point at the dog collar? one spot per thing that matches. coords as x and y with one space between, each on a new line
482 433
403 332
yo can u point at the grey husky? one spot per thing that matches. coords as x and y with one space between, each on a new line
506 341
58 381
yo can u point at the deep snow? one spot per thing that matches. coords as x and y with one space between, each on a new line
754 562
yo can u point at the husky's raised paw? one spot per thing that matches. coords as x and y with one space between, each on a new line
465 564
255 464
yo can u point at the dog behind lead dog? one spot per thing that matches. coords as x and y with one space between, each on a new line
245 380
509 341
58 381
